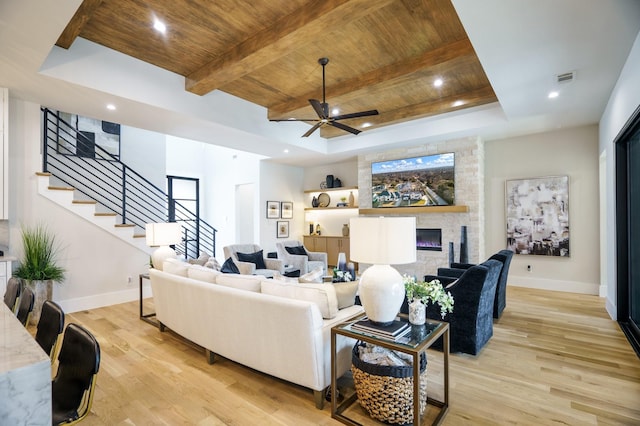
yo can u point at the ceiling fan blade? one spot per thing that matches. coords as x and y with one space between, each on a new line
343 127
318 107
356 114
306 120
313 129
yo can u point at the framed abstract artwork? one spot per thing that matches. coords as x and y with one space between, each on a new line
283 229
538 216
286 210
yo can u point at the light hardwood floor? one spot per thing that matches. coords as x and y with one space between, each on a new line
555 358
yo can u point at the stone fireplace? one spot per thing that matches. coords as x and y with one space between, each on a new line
469 191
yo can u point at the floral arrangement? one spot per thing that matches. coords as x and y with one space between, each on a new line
431 291
341 276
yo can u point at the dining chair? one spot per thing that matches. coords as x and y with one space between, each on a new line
50 328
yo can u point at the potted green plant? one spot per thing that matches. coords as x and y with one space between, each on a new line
38 268
420 293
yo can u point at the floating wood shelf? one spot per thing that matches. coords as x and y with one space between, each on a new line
329 208
415 210
341 188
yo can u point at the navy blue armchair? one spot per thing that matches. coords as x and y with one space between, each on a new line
471 322
500 302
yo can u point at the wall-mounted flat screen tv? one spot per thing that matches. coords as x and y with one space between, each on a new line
413 182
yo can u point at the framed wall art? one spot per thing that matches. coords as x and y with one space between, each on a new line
286 210
538 216
283 229
273 209
94 138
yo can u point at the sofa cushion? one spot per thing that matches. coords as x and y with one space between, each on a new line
175 267
324 296
346 293
279 277
229 267
297 250
202 273
314 276
241 282
257 258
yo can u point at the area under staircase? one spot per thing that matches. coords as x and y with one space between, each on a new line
88 179
64 196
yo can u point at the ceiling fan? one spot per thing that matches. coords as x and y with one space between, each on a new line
322 109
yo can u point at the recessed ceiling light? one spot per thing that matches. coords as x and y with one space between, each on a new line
159 26
365 125
286 151
111 107
335 111
437 82
458 103
553 95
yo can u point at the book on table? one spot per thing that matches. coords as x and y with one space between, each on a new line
396 329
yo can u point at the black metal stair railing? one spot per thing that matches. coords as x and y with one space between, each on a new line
75 160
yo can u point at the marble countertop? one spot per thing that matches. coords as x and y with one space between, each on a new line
18 348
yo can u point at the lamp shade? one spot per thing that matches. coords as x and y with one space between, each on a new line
163 234
382 241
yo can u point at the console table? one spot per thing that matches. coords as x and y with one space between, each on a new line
415 345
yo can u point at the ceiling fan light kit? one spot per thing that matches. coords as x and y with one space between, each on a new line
322 110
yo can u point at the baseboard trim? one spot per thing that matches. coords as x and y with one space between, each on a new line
105 299
555 285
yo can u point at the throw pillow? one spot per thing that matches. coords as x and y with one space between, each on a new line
346 293
315 276
175 267
297 250
213 264
228 267
279 277
257 258
201 260
201 273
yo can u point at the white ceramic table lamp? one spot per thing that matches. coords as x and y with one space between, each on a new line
382 242
162 235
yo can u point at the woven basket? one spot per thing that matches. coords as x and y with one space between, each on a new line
386 392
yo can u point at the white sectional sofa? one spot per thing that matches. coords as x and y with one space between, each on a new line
268 325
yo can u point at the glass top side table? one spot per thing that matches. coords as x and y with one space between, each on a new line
416 342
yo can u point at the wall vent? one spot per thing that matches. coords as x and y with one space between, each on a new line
566 77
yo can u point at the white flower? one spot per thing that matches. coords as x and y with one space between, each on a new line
426 292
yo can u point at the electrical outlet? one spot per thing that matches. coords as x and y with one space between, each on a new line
129 281
529 268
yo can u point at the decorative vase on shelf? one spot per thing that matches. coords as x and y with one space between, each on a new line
352 200
345 230
417 312
315 202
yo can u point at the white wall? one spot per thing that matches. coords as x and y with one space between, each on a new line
280 183
572 152
98 263
623 101
144 152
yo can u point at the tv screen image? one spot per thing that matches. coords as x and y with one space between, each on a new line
413 182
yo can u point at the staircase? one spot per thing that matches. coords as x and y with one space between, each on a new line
81 176
64 196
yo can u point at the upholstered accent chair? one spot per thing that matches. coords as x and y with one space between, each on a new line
250 260
500 301
293 253
471 322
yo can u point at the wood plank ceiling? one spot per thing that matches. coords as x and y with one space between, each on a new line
384 54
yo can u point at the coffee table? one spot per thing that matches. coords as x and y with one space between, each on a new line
417 344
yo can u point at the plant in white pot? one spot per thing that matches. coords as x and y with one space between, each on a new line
38 268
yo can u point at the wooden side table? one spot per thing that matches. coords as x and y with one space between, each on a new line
415 346
146 317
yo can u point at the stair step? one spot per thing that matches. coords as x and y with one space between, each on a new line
43 174
84 202
61 188
104 214
124 225
139 236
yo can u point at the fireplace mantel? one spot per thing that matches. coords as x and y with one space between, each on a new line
415 210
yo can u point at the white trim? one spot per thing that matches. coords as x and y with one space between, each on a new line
104 299
555 285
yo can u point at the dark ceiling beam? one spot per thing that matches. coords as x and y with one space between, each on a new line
292 31
477 97
432 58
86 9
